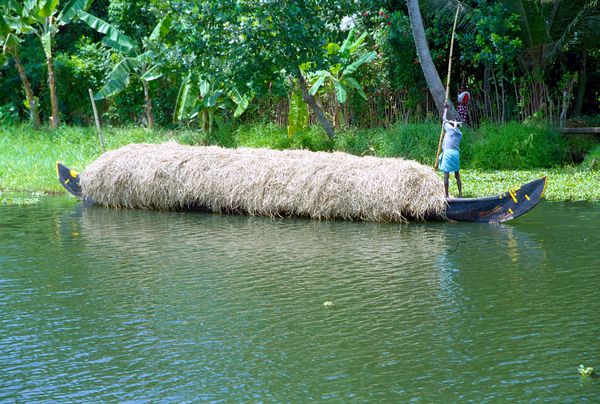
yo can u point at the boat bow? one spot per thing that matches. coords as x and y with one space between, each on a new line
500 208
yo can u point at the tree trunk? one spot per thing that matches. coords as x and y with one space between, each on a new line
431 75
53 98
502 99
338 118
487 89
497 117
148 104
312 103
33 111
566 98
581 89
204 122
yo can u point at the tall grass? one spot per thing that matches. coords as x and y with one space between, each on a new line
418 142
276 137
592 160
359 142
264 182
27 157
516 146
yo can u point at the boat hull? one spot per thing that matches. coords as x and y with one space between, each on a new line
492 209
499 208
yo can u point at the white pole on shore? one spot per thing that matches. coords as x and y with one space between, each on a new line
97 119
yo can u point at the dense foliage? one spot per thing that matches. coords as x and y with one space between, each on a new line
264 73
523 60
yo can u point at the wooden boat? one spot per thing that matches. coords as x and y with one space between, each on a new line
493 209
500 208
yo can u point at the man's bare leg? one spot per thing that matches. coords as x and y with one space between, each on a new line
446 175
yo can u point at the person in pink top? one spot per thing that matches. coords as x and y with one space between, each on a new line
463 104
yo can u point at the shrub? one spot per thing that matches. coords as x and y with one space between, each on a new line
418 142
592 160
262 135
518 146
313 138
9 115
412 141
191 137
75 74
275 137
223 135
579 146
356 141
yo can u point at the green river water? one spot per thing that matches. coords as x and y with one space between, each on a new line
102 305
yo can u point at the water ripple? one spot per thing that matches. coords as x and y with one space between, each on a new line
104 305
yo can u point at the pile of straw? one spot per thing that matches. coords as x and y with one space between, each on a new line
264 182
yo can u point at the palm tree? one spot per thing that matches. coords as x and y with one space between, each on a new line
549 28
429 71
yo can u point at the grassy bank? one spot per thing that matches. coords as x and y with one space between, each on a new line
28 156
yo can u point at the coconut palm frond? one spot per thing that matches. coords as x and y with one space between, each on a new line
448 7
583 27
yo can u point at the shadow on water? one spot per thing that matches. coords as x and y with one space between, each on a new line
300 255
119 305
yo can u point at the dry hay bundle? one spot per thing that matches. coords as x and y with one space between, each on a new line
264 182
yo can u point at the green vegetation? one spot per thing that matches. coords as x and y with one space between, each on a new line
29 156
592 159
564 184
586 371
17 199
515 146
319 75
350 63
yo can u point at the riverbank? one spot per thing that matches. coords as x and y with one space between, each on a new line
28 159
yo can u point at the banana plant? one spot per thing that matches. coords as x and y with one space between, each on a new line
297 114
340 76
199 98
242 101
137 62
11 43
44 18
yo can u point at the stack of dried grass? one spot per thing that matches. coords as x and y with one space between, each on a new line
264 182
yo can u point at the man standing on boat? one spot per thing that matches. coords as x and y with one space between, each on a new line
449 160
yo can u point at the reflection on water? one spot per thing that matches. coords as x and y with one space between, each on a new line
114 305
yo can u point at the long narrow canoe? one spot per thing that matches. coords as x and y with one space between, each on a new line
493 209
500 208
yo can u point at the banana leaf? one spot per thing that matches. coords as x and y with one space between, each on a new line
366 58
340 91
352 82
322 74
47 8
118 79
186 99
152 74
162 28
115 38
70 10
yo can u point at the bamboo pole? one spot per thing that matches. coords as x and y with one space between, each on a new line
97 119
447 100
